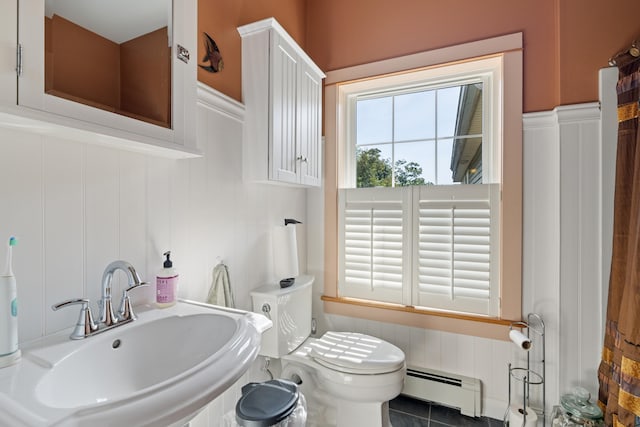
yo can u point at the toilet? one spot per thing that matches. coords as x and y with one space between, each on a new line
347 378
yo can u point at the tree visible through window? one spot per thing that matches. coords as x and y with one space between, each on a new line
420 137
375 171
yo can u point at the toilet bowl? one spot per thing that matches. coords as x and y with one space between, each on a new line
347 377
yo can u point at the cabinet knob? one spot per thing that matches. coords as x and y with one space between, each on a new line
302 159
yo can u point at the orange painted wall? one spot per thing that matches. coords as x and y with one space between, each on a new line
591 31
132 78
352 32
145 77
221 18
78 59
566 42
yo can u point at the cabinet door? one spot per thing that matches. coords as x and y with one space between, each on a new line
8 40
309 136
31 38
156 115
283 164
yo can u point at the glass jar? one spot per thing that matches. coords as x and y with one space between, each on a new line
576 410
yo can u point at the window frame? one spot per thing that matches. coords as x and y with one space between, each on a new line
487 70
509 47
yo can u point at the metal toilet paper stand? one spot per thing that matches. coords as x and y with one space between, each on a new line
526 375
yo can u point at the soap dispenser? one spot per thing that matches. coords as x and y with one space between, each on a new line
166 283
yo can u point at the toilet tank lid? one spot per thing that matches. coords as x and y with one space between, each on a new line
356 353
275 289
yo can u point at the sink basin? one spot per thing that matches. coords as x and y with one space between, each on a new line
157 371
124 366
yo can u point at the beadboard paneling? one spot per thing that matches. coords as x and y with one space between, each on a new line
63 195
541 241
76 207
21 190
105 204
101 210
580 247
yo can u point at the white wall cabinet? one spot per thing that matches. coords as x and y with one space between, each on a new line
281 90
25 105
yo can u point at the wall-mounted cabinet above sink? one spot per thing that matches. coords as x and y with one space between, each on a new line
112 75
282 93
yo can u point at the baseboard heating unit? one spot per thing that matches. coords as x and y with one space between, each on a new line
446 389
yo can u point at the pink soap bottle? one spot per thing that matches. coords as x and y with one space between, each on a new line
166 284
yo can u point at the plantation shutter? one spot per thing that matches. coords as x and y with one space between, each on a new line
456 249
431 247
375 244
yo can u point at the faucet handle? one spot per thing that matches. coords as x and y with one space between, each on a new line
85 324
126 311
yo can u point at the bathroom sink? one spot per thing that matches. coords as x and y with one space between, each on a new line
137 358
157 371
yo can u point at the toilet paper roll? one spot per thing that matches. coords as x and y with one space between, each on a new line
516 417
285 252
520 339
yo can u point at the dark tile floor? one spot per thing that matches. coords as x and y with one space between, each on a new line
407 412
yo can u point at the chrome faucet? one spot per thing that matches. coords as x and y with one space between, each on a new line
86 326
106 309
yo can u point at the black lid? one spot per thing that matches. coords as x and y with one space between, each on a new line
265 404
167 262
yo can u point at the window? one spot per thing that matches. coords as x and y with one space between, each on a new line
420 224
427 189
424 136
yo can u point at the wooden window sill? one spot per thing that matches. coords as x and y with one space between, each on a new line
480 326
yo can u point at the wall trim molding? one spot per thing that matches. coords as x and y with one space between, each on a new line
562 114
218 101
540 119
578 112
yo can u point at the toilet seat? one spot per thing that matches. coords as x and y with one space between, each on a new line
355 353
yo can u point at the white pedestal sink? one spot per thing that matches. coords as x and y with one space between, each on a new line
157 371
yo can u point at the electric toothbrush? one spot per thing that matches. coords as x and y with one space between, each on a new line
9 352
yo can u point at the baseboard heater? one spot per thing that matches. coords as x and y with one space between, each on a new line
446 389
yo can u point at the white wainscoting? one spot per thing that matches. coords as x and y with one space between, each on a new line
581 256
541 234
564 222
75 207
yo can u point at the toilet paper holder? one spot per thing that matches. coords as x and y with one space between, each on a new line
527 375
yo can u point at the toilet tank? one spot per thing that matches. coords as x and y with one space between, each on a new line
290 311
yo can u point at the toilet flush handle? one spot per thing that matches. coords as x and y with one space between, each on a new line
266 309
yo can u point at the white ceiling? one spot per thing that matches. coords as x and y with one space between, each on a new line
116 20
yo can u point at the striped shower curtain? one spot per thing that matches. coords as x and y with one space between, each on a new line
619 371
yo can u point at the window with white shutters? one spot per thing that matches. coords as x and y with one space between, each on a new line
424 246
426 153
419 220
